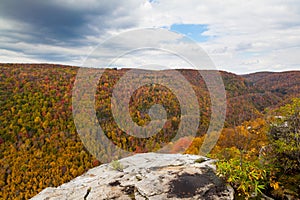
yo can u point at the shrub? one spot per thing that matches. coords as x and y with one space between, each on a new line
248 178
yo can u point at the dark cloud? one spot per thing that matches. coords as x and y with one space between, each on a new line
50 22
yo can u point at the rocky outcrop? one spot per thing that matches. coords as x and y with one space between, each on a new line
145 176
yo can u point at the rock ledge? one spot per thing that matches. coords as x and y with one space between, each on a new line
146 176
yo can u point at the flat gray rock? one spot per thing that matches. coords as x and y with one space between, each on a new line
146 176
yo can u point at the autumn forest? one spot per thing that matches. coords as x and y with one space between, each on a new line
258 150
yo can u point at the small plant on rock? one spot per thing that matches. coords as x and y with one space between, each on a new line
116 165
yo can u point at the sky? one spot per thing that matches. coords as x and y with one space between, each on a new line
239 36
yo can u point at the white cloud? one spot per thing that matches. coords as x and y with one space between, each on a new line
244 36
256 28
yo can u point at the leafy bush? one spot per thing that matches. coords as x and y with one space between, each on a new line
248 178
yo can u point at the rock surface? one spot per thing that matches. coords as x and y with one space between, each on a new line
146 176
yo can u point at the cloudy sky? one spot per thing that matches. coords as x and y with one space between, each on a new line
241 37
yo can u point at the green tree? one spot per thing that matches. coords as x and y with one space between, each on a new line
285 137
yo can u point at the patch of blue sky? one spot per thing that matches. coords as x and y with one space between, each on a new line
193 31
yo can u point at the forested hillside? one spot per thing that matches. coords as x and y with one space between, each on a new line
39 145
281 85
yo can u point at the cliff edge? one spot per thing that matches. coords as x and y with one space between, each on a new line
145 176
